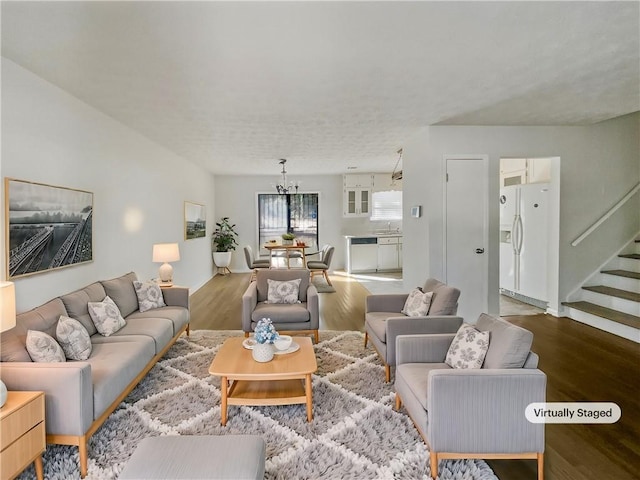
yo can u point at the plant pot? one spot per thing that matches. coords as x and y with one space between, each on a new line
262 352
287 242
222 259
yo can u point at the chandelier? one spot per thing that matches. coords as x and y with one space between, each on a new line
283 187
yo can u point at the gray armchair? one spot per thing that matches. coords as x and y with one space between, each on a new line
303 317
384 320
473 413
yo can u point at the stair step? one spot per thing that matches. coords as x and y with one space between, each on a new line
623 273
614 292
604 312
634 256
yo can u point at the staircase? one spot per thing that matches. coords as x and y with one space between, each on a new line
610 299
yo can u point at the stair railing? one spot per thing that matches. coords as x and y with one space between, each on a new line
611 211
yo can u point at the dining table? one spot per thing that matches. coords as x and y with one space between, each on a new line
287 250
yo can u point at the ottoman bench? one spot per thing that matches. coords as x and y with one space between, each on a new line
230 457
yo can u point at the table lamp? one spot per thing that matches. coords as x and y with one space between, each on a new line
165 253
7 321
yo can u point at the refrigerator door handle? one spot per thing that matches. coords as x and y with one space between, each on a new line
520 234
514 235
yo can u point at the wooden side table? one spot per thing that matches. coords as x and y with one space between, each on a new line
23 434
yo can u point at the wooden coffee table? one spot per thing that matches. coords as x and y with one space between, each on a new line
285 380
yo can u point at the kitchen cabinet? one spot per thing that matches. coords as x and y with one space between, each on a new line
357 195
389 253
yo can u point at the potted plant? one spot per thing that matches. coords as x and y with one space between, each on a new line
223 241
287 238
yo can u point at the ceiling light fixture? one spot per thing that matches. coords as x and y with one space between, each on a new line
285 188
397 175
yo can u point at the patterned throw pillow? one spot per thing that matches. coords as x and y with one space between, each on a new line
468 348
283 292
43 347
106 316
417 303
73 338
149 295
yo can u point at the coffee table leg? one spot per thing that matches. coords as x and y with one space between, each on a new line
309 394
223 403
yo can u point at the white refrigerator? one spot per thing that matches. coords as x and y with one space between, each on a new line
524 230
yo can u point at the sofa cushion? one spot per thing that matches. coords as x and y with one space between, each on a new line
76 304
160 330
73 338
377 322
286 291
179 316
114 365
42 347
122 292
106 316
281 313
416 376
468 348
149 295
43 318
417 303
509 345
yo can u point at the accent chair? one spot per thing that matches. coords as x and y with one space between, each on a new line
303 316
473 412
384 319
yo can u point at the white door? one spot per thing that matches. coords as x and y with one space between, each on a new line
466 232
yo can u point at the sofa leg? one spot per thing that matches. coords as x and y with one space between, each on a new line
433 461
366 337
316 336
84 456
540 466
387 373
188 329
246 334
398 402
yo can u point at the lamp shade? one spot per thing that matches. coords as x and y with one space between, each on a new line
166 252
7 306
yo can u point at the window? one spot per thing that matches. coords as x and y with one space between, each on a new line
387 206
296 213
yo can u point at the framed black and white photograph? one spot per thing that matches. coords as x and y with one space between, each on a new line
47 227
195 221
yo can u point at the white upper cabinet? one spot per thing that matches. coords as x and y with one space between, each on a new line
357 195
359 180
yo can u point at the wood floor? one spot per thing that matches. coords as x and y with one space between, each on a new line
581 363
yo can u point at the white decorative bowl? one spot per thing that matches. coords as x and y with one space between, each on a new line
283 342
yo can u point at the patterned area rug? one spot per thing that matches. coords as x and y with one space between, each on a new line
355 433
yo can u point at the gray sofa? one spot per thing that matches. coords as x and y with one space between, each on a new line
80 395
384 320
473 413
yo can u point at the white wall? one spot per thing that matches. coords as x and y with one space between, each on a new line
139 187
599 165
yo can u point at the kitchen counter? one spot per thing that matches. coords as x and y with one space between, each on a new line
376 235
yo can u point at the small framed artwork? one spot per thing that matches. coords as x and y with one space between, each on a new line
416 212
195 220
46 227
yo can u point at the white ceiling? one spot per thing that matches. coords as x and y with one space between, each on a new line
234 86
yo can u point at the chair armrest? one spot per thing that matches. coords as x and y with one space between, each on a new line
176 296
483 410
417 325
249 302
423 348
388 302
68 392
313 306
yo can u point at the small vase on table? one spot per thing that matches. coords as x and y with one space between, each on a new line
262 352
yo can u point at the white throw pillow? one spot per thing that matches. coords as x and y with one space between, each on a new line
106 316
283 292
468 348
149 295
73 338
417 303
42 347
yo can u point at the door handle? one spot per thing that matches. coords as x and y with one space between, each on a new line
479 250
